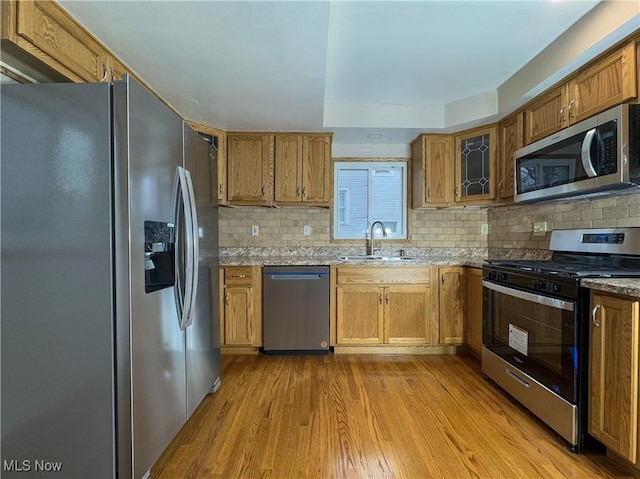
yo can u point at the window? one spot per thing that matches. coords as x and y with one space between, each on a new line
369 191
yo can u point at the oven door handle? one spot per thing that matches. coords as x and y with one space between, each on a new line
534 298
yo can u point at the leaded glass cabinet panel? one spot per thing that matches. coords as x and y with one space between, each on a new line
475 165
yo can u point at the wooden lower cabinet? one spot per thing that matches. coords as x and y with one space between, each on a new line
452 293
240 307
474 310
613 373
383 305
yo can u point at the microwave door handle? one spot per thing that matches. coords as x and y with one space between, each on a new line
587 164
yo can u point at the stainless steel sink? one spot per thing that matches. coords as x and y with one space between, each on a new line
374 257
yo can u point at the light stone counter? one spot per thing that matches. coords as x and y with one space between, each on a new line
331 260
623 286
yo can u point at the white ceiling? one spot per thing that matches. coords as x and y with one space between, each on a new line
352 67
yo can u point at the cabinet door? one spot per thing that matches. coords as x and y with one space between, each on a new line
547 115
511 139
438 170
200 161
249 169
431 166
474 309
613 374
452 294
75 53
288 169
316 170
238 316
407 315
609 82
475 166
359 314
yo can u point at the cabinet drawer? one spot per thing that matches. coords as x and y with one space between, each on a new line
238 275
383 274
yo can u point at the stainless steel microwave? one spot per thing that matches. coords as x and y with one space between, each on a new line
599 154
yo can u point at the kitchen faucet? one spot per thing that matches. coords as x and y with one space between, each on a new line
371 235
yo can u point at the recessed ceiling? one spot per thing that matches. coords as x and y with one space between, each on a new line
351 67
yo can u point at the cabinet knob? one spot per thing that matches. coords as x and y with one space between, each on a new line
428 192
386 298
239 276
226 298
298 191
380 298
594 312
500 184
220 188
562 113
457 191
304 191
442 278
262 190
571 108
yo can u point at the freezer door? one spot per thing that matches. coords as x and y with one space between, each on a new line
57 362
151 345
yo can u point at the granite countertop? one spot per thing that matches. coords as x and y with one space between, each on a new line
331 260
623 286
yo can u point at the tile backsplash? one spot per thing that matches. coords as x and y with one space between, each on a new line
283 227
511 227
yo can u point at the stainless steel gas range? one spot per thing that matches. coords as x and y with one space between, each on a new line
536 323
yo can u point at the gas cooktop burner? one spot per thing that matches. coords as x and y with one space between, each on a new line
570 269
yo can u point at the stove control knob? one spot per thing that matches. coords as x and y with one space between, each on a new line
502 276
537 284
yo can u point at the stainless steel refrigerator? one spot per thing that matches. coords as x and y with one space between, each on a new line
109 329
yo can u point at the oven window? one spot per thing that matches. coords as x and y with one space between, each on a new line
536 338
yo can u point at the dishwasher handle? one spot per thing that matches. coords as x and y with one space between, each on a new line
295 276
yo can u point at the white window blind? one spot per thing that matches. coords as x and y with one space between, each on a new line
367 192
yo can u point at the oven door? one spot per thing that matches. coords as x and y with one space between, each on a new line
535 333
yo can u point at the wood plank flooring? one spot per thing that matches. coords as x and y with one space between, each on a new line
380 417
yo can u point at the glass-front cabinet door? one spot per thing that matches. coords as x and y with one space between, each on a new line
476 166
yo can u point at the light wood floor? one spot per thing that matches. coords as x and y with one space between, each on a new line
367 417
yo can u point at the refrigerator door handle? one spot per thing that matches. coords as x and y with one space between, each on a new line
181 195
196 248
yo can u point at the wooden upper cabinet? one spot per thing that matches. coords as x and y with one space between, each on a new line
475 165
431 163
288 168
511 139
610 81
44 30
249 169
317 176
546 115
303 169
613 373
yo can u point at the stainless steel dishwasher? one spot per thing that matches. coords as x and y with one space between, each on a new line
295 302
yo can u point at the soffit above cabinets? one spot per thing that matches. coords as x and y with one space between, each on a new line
393 68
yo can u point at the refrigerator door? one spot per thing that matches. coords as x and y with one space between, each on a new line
202 336
151 345
57 360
